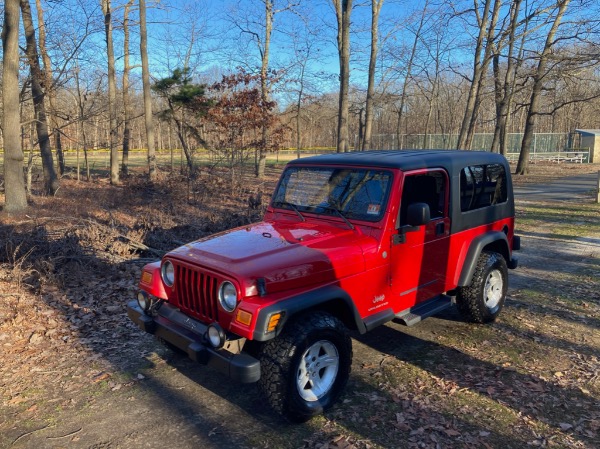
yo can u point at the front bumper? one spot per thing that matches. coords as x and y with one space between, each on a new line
188 335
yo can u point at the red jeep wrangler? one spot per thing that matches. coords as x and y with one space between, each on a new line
349 242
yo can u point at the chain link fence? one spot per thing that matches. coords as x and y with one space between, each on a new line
542 142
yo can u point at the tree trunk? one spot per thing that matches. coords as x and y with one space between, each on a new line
504 90
535 99
484 67
375 10
147 98
409 66
49 87
298 107
51 183
112 93
261 158
478 69
126 96
14 184
343 8
184 144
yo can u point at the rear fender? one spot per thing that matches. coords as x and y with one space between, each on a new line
492 241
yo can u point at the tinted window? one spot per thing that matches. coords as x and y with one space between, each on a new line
482 186
355 193
429 188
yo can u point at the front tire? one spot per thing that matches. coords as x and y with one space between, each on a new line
305 369
483 299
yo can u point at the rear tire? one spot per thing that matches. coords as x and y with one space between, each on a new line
305 369
483 299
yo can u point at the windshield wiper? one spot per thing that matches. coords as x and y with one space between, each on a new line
293 207
339 214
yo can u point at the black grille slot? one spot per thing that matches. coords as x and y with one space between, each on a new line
196 293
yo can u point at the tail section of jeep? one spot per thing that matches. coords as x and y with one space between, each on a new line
349 242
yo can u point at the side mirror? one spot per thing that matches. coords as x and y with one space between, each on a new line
418 214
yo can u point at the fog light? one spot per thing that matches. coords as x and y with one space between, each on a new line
215 335
144 301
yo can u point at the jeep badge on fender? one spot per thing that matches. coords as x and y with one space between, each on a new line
349 242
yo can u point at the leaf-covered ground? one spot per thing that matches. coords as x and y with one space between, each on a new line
75 373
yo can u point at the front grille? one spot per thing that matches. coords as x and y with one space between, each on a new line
196 293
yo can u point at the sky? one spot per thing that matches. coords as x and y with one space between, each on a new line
224 40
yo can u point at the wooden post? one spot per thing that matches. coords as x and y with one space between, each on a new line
598 189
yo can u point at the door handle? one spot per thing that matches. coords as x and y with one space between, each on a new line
440 228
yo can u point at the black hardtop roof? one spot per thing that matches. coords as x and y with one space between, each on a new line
451 160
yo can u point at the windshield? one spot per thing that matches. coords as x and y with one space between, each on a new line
358 194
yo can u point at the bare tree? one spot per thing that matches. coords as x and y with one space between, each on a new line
14 183
49 88
51 183
260 31
126 95
343 8
375 10
504 87
80 99
303 55
264 86
112 93
536 90
147 98
409 68
481 60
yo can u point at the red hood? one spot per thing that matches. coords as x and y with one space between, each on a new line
286 254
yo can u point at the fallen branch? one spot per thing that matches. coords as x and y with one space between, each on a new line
28 433
65 436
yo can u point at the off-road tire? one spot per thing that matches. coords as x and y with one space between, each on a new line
285 359
482 300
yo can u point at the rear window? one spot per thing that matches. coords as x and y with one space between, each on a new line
482 186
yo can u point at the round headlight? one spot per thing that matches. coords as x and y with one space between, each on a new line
167 273
228 296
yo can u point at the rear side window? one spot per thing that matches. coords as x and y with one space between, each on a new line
482 186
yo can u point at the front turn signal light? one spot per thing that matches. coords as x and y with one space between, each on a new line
147 277
273 322
243 317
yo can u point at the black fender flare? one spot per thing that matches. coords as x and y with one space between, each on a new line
294 305
497 239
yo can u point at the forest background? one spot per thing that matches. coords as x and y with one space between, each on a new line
234 81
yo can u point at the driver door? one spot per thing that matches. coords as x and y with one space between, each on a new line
420 255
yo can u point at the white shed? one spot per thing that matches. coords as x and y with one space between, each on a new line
590 138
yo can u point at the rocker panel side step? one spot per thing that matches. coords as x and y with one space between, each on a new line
418 313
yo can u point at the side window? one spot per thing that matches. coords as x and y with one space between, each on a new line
482 186
427 188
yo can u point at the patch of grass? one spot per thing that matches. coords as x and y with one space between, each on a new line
580 220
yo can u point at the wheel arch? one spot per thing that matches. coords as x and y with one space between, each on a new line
331 299
493 241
